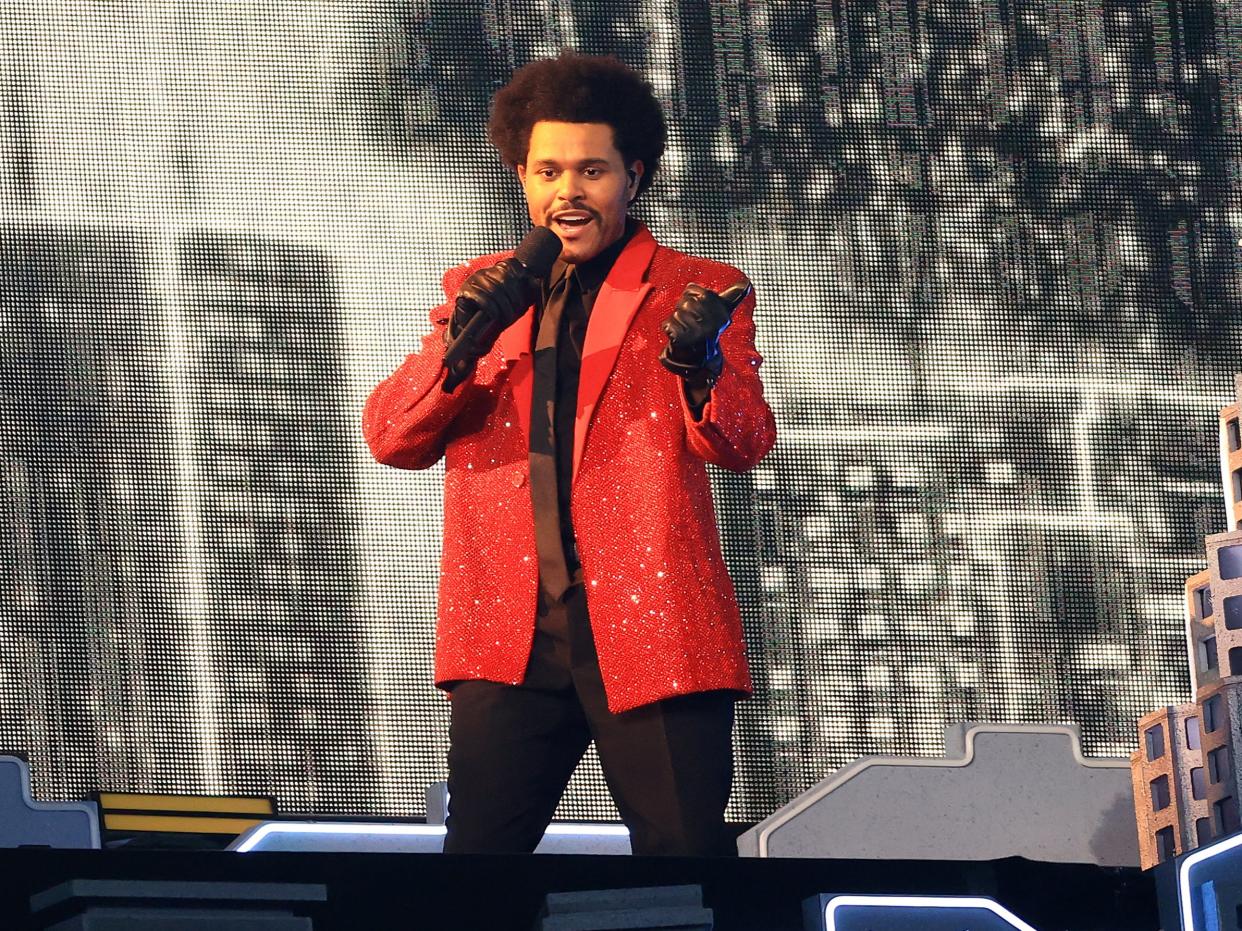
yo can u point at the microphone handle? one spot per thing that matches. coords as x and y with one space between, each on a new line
456 357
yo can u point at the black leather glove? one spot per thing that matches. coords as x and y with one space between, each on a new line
500 294
488 302
694 329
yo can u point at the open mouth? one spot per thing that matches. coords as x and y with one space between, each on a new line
572 220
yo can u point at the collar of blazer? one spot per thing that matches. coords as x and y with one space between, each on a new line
619 299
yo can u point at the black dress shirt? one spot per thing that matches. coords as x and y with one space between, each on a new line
551 653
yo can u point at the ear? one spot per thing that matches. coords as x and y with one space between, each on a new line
635 172
521 173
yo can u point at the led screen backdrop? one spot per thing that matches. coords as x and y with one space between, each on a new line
995 247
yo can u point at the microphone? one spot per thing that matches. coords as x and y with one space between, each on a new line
534 256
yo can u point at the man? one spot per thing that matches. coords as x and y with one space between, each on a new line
582 593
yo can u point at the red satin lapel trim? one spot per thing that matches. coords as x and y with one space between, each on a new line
618 301
515 341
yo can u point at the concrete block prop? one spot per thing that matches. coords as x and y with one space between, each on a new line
437 796
1001 790
25 822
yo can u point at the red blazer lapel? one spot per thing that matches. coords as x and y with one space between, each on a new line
515 349
618 300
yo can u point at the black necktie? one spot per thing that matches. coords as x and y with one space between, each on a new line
553 571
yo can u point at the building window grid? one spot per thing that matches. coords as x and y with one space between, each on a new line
1235 661
1203 830
1218 765
1198 788
1207 654
1160 793
1166 845
1192 733
1225 815
1211 714
1203 602
1229 558
1233 612
1155 742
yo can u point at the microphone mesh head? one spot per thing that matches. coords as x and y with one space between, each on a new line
538 250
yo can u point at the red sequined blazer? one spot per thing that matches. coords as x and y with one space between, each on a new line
662 607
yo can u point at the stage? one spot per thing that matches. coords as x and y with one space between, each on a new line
996 252
498 893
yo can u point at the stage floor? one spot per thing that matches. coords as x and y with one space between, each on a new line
505 892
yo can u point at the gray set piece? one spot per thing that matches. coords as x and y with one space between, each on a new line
27 823
1000 790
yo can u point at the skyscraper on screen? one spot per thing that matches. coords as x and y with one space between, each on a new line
274 537
89 574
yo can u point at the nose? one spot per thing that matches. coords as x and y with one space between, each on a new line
570 187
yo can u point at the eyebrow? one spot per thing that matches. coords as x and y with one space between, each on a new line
551 162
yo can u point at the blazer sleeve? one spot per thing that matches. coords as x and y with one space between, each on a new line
735 428
408 417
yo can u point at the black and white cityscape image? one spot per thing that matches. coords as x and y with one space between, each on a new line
996 249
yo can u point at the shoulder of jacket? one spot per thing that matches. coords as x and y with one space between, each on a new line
670 262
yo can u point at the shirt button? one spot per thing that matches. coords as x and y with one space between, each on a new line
519 479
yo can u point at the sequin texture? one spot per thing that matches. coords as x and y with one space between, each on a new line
661 603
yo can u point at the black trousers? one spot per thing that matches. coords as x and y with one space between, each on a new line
512 750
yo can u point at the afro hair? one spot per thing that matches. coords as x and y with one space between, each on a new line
576 88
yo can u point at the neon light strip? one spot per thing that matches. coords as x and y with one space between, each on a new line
408 830
915 901
589 830
1184 904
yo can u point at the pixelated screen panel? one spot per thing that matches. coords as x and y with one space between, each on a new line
995 249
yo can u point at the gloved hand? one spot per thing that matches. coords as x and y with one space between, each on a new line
694 329
500 294
488 302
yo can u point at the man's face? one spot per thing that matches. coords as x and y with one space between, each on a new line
578 185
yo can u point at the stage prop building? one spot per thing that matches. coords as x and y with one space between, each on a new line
1187 783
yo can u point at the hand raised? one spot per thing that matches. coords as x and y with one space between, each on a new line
694 330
